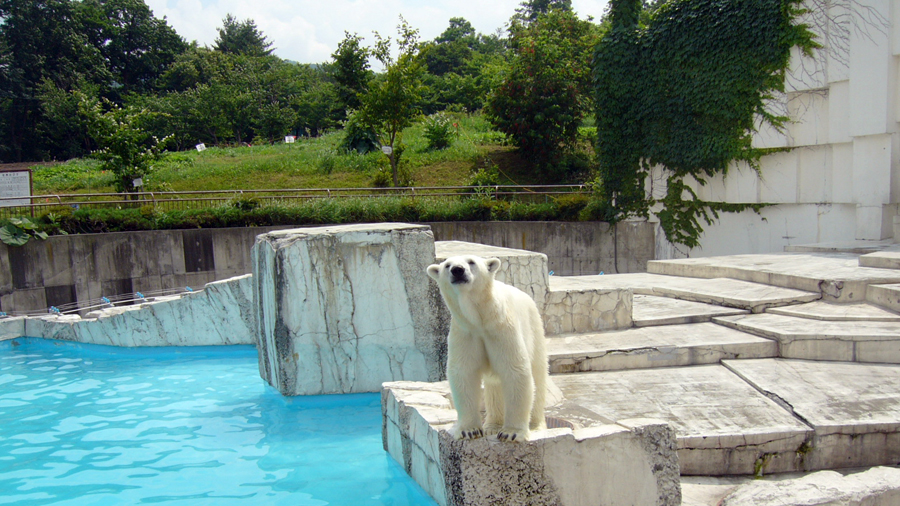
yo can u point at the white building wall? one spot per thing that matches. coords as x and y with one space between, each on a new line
841 179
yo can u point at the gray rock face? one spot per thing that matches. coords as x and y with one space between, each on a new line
342 309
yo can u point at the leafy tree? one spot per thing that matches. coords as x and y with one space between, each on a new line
242 37
530 10
350 70
546 91
684 93
393 99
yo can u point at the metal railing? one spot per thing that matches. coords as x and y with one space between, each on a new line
83 307
182 200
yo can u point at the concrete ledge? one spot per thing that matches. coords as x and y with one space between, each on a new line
12 328
631 463
220 314
587 310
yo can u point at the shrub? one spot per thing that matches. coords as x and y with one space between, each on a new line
438 131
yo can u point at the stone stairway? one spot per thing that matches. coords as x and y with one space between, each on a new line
763 365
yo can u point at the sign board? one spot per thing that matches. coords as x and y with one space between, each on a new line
387 150
15 183
201 147
289 139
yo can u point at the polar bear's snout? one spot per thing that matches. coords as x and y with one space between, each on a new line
458 275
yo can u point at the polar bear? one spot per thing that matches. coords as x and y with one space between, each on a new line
496 336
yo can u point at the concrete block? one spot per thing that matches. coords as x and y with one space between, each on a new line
12 328
871 169
343 309
815 176
587 310
809 112
630 463
870 79
842 172
839 112
779 178
879 486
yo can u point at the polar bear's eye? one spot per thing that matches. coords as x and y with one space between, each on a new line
471 262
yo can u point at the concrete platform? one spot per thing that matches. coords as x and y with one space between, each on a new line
829 311
837 276
724 425
886 259
854 408
648 310
886 296
860 247
649 347
849 341
723 292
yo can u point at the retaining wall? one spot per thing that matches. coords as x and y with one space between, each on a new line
66 269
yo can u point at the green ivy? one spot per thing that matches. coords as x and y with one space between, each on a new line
683 92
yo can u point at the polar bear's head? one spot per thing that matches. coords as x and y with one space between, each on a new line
464 272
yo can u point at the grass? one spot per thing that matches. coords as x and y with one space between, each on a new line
309 163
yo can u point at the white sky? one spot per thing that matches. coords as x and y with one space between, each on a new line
309 31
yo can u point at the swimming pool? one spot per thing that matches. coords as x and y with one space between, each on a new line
85 424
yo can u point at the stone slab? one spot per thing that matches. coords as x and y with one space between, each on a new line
633 463
837 276
876 486
724 425
666 346
219 314
829 311
648 310
860 247
849 341
887 259
854 408
526 270
723 292
587 310
886 296
343 309
12 327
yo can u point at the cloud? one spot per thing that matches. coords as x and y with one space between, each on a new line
309 31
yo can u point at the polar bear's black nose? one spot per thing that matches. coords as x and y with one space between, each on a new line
457 271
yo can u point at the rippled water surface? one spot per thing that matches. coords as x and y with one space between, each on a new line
83 424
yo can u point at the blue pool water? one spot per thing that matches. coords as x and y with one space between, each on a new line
97 425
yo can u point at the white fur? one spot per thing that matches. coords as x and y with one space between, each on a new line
496 336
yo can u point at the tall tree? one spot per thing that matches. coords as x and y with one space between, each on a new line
242 37
529 10
350 70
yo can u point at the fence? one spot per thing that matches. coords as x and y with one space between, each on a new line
202 199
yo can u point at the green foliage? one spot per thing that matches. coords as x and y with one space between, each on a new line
393 100
439 131
545 93
242 37
18 231
350 70
358 136
683 93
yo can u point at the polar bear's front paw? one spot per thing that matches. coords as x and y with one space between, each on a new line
471 433
514 435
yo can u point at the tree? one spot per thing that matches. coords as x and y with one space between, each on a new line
393 99
546 91
350 70
242 37
529 10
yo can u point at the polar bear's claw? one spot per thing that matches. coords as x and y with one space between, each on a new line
511 435
471 434
491 428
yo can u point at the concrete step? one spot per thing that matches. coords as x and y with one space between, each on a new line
886 296
886 259
751 417
829 311
648 311
837 276
874 486
653 347
722 292
848 341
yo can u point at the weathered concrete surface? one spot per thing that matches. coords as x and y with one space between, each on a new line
849 341
12 328
856 247
573 248
220 314
837 276
587 310
877 486
830 311
886 296
525 270
632 463
724 425
649 347
723 292
649 310
854 408
888 258
342 309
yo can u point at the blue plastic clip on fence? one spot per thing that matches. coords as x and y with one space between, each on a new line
139 295
54 309
189 289
550 273
3 314
105 300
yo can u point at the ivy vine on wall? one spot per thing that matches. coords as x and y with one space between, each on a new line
683 92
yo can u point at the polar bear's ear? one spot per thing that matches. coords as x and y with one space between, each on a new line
493 265
433 270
